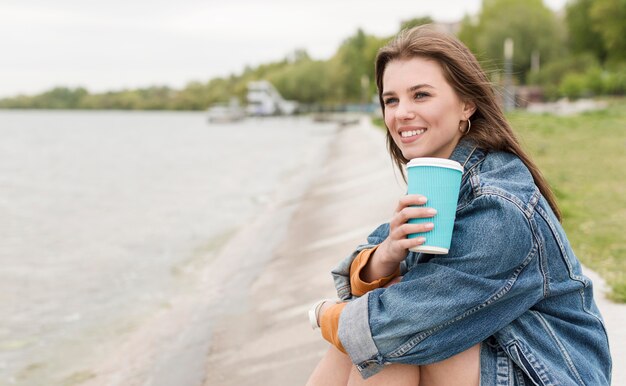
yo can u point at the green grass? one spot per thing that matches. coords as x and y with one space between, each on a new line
583 157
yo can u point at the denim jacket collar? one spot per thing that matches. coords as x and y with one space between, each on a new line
467 153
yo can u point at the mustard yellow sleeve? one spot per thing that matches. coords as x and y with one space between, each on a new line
360 287
329 324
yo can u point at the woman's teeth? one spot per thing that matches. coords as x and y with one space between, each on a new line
405 134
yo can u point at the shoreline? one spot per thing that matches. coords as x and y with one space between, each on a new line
270 339
169 347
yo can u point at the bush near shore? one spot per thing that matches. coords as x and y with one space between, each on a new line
583 158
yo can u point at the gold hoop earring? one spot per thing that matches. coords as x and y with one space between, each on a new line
469 127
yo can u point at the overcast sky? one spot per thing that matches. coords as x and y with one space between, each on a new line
115 44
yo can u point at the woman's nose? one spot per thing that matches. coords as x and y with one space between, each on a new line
405 111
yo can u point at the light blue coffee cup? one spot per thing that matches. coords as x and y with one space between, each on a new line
439 180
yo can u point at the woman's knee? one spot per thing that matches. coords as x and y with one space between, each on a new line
396 374
462 369
332 370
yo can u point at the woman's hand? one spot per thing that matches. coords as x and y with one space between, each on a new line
394 249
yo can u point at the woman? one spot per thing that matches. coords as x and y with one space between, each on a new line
508 304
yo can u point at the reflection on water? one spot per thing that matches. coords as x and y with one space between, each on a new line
106 217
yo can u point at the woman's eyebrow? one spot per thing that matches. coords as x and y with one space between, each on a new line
410 89
418 86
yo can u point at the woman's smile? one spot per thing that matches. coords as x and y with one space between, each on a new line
409 134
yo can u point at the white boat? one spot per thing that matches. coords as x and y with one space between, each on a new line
224 113
263 100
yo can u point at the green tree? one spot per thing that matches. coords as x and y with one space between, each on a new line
353 58
469 33
352 68
532 26
608 18
195 96
582 33
60 98
220 90
553 73
417 21
306 81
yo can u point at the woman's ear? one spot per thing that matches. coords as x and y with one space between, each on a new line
469 107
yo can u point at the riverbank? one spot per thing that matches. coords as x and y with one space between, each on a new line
271 340
268 339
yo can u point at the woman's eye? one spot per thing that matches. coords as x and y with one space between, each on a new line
421 95
390 101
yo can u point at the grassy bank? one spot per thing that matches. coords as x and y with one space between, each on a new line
583 158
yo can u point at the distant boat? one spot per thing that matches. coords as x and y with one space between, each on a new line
263 100
225 113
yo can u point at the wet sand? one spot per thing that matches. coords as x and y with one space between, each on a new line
268 340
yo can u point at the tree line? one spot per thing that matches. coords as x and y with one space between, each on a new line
578 52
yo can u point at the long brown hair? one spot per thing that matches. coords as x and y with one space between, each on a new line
490 129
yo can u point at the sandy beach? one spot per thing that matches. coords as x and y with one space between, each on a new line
266 339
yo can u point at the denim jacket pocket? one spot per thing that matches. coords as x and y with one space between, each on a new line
532 366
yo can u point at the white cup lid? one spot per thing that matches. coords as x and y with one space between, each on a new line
431 161
430 249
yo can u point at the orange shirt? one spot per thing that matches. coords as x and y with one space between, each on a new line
329 322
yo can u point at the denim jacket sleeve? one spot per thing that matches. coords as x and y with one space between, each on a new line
448 303
341 273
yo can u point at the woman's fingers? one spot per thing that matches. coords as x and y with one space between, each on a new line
395 247
400 247
421 212
409 213
410 199
406 229
409 207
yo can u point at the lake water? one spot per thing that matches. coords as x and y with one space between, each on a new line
108 218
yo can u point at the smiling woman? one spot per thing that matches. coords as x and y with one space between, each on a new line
508 304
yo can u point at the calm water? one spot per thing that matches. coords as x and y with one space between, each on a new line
106 217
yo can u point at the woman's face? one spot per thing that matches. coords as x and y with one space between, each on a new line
422 111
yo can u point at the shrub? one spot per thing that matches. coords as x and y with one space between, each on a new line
553 72
615 82
574 85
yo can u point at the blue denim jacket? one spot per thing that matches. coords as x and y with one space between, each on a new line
510 281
